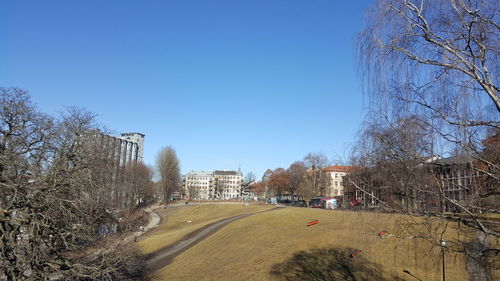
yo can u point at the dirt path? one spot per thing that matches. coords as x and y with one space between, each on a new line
164 256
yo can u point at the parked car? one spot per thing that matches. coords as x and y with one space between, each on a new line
300 203
272 200
356 203
316 203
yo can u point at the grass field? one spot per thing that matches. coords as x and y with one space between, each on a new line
176 225
280 242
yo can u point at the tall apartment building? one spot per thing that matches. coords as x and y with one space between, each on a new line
336 174
198 185
213 185
132 147
229 184
126 148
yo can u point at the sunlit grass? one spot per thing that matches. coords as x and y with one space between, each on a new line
177 226
248 248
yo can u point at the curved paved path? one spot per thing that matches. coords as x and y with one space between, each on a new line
164 256
153 222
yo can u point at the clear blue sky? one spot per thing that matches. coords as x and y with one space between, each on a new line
255 83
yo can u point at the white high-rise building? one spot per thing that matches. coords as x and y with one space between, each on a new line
132 147
117 151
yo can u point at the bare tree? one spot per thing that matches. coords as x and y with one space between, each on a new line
52 209
169 170
263 186
315 181
259 189
431 71
436 54
395 153
304 179
278 181
297 174
218 186
137 185
193 190
435 62
315 161
249 177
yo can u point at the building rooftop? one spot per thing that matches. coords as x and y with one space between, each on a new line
131 134
342 169
227 173
458 159
199 173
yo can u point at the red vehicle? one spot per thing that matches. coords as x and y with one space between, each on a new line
356 203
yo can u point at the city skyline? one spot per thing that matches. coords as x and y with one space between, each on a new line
251 85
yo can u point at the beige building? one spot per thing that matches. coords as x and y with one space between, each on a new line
228 184
336 174
198 185
203 185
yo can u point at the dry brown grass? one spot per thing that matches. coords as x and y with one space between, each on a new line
248 248
175 222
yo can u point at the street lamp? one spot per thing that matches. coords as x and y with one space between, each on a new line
443 244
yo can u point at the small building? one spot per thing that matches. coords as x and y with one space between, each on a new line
336 174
